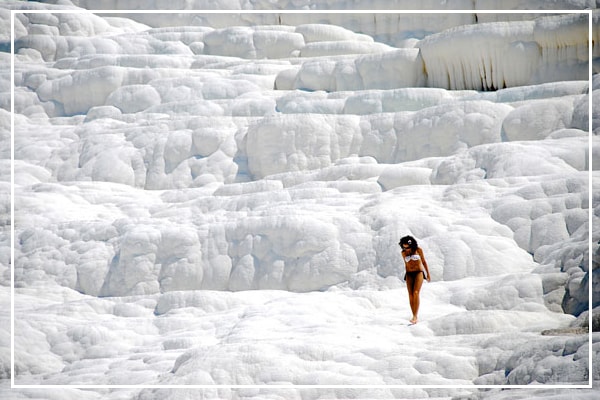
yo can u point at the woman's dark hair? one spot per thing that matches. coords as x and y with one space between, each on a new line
411 242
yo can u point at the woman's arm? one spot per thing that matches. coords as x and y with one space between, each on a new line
424 263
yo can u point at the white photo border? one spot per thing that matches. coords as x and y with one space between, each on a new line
13 14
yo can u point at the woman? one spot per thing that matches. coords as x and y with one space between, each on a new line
416 271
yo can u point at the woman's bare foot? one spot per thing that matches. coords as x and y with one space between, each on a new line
413 320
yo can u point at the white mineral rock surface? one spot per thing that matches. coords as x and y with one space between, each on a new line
206 199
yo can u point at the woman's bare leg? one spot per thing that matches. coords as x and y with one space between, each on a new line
414 287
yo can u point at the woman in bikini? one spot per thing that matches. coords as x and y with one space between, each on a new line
416 271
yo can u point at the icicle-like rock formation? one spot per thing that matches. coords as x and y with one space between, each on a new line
497 55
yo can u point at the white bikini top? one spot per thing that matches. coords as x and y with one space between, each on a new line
414 257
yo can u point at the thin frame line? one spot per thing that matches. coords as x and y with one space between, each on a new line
292 386
590 191
366 11
13 13
12 196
